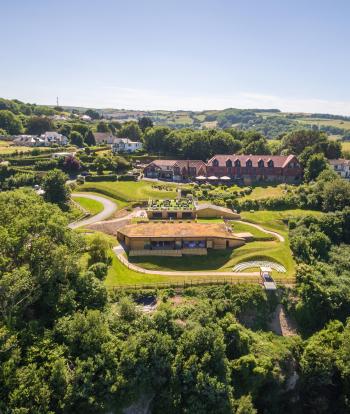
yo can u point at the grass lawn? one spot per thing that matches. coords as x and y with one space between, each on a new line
126 192
326 122
345 145
264 191
258 234
273 220
92 206
5 148
223 260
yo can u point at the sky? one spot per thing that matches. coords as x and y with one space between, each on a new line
190 55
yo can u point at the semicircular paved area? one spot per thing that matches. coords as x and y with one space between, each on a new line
259 263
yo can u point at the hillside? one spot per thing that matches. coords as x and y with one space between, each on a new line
270 122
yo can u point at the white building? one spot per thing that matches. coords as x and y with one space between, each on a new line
59 155
28 141
52 137
125 145
342 167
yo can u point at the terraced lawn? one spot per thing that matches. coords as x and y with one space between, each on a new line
126 192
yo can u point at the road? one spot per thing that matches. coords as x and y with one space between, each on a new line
109 208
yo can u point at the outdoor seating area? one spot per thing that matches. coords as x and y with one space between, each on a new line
213 179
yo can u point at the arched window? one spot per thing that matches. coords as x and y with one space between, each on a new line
228 163
270 164
261 164
249 163
215 163
237 163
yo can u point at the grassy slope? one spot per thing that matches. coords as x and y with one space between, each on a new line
92 206
129 191
264 191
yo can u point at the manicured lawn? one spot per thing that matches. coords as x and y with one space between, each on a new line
92 206
129 191
264 191
273 220
222 260
246 228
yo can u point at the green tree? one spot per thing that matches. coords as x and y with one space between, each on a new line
77 139
92 114
99 250
37 125
56 190
102 127
145 123
130 130
10 123
90 139
314 166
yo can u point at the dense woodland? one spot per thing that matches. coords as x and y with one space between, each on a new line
70 345
67 345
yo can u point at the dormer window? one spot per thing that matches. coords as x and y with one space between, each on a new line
237 163
270 164
261 164
228 163
249 163
215 163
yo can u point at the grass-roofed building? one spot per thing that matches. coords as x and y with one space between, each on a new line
176 238
187 209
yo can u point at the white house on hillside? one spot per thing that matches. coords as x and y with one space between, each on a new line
52 137
125 145
342 167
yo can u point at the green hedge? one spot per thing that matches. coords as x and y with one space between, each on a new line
95 178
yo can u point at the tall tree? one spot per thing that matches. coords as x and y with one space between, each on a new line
90 139
54 185
10 123
37 125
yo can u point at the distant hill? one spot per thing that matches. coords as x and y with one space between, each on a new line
271 122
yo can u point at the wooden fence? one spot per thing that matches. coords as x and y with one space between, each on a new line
201 282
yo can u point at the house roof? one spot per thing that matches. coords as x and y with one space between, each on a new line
278 160
339 161
176 229
103 136
178 163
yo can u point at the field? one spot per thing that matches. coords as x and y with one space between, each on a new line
126 192
264 191
7 148
92 206
326 122
346 146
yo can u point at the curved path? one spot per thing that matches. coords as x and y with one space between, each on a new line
109 207
257 226
119 252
